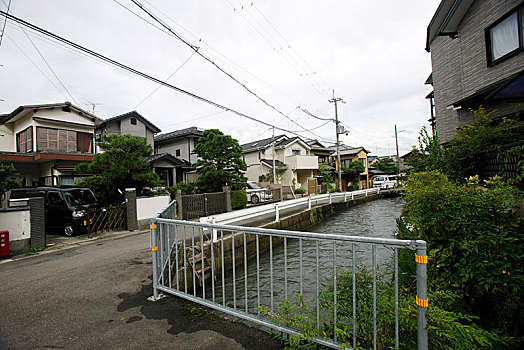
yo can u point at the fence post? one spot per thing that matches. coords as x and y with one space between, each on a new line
180 208
154 251
330 198
227 191
309 202
37 212
422 295
132 222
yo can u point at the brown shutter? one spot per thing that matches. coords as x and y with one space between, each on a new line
29 137
85 142
52 140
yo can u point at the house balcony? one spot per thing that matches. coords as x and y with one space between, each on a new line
302 162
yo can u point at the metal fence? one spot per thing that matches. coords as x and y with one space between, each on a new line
253 273
112 218
197 205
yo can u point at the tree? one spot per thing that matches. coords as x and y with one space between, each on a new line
354 170
220 161
8 178
387 165
122 165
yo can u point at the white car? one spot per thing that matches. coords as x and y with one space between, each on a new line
385 181
256 193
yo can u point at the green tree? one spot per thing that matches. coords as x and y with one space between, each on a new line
121 165
220 161
8 179
353 172
432 154
387 165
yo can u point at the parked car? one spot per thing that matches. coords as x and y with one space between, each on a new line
256 193
385 181
66 208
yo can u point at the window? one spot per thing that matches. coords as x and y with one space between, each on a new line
24 140
363 160
54 198
505 37
177 153
133 121
296 152
63 141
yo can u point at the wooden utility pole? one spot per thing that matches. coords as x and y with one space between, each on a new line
274 169
335 101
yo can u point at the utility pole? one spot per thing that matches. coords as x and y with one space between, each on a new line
396 145
274 169
335 101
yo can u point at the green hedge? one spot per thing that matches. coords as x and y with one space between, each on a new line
238 199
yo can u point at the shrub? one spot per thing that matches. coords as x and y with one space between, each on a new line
185 187
475 246
300 191
238 199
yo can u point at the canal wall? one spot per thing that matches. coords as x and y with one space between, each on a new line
223 249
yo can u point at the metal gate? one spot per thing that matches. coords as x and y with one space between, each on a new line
239 274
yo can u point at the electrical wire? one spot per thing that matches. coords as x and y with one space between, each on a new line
169 77
3 28
195 48
136 72
36 66
227 60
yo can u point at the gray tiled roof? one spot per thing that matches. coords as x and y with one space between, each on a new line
261 143
137 115
179 133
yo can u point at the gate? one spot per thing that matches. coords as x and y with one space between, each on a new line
112 218
312 186
256 273
198 205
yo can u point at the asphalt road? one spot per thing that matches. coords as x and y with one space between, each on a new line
95 297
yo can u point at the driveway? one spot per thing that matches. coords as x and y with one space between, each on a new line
94 296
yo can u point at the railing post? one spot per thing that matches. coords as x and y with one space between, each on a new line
330 198
154 250
345 197
309 202
277 212
352 196
366 192
422 295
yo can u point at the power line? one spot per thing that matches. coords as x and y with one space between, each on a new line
136 72
3 29
36 66
169 77
195 48
226 59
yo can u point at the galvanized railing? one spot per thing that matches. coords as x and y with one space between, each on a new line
251 272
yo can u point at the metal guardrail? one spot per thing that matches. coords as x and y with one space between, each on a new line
276 208
240 275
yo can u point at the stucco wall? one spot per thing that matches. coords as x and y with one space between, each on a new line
460 65
149 207
18 223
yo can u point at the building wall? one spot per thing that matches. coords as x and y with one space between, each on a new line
460 65
138 130
184 144
7 141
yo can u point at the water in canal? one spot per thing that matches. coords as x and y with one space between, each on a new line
371 219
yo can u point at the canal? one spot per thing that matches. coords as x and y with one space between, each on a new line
371 219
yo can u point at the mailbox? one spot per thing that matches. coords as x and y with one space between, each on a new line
4 243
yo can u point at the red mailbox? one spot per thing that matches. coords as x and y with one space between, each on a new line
4 243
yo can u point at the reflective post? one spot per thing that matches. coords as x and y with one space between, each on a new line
154 250
422 295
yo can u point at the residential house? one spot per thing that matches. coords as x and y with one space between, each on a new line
45 142
292 158
180 144
323 154
131 123
169 168
477 59
348 155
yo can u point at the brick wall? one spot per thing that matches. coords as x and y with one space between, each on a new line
460 65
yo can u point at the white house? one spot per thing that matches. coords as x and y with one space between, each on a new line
292 157
45 142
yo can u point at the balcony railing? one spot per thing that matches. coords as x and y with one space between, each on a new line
302 162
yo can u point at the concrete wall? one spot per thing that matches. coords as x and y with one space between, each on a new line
149 207
460 65
18 223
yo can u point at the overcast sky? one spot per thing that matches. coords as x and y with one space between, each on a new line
289 53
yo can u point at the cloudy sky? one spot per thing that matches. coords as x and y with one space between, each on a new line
290 54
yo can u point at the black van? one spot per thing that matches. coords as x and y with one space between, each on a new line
66 208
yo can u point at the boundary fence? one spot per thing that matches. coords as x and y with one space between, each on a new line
186 263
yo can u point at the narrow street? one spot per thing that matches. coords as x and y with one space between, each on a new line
95 297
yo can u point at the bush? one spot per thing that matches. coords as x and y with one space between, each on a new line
475 246
238 199
300 191
185 187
